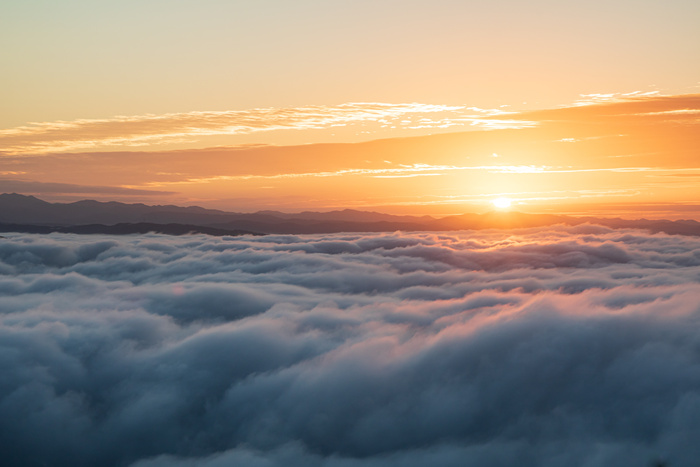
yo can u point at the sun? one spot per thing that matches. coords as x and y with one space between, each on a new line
502 203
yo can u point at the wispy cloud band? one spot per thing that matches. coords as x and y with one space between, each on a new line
142 130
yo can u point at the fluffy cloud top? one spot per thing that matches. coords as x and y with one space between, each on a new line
548 347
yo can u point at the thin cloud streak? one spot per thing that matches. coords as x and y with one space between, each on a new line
407 171
29 186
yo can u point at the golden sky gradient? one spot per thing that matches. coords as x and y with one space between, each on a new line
415 107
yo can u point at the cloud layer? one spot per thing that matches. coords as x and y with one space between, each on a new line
546 347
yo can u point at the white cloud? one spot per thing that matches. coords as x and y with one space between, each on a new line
603 98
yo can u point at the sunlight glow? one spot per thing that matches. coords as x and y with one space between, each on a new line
502 203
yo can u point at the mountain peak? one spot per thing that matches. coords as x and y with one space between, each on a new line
18 199
16 196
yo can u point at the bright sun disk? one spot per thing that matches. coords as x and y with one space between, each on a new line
502 203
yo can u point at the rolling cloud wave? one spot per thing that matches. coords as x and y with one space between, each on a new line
557 346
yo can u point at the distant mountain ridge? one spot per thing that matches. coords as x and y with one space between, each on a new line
23 209
125 229
28 213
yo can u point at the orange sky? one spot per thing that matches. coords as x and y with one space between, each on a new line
413 107
623 157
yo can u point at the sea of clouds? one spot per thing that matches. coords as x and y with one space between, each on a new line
562 346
